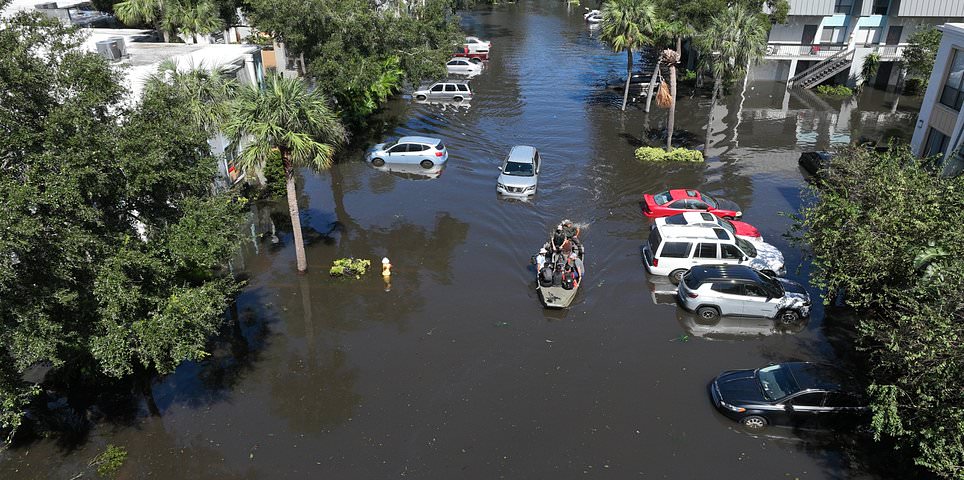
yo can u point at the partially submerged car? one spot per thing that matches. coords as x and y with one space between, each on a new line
519 172
426 152
477 45
463 66
814 162
451 91
740 229
797 394
675 201
738 290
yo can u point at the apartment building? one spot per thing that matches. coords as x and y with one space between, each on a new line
828 40
940 125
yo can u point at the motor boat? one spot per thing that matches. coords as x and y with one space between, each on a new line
560 270
593 16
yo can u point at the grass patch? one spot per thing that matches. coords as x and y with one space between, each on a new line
354 267
835 90
653 154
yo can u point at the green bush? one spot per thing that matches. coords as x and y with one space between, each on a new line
350 267
110 461
835 90
913 86
687 75
654 154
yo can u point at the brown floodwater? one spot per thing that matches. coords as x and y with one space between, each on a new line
456 370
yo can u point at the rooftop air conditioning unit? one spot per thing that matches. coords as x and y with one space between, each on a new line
112 49
46 6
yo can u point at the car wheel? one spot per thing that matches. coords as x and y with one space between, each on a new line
378 162
458 98
676 276
753 422
789 317
420 97
708 314
426 164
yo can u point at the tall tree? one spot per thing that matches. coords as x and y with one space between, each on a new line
173 17
207 93
111 241
288 117
153 12
626 27
921 53
732 42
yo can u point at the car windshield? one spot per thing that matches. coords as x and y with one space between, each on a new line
709 200
662 198
728 225
517 169
746 246
389 145
777 382
774 289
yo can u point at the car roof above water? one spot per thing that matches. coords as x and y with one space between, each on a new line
671 232
415 139
521 154
702 273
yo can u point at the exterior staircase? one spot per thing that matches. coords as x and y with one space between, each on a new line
823 70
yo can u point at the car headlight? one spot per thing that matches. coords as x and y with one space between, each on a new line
732 407
530 188
501 186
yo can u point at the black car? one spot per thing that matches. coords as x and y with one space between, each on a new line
799 394
814 162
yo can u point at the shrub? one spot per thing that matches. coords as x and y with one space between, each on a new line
349 267
835 90
109 461
913 86
653 154
687 75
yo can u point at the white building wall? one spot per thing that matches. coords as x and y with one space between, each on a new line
931 109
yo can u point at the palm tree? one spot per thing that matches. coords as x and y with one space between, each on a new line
287 117
626 27
147 11
199 18
731 43
208 93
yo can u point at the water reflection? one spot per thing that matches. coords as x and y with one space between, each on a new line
731 327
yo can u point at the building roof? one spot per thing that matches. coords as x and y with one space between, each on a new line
957 28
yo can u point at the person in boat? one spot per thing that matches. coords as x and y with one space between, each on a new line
571 233
559 241
541 259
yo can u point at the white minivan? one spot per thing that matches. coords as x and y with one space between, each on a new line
673 249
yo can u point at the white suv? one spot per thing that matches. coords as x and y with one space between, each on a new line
716 290
673 249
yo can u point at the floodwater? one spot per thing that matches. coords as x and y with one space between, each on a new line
456 370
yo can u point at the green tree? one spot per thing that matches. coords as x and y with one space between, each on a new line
732 42
882 238
153 12
207 93
627 25
172 17
111 239
921 53
288 118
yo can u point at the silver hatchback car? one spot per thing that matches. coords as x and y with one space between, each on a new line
454 91
520 172
426 152
714 290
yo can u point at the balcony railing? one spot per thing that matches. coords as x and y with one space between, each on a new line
890 52
804 51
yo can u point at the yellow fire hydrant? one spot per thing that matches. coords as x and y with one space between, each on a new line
387 273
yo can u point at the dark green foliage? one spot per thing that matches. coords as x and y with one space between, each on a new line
885 233
274 175
914 86
109 236
921 53
357 55
110 461
835 90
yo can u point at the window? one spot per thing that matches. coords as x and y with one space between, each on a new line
747 247
662 198
437 88
721 234
518 169
681 204
831 34
414 147
809 400
728 288
777 382
953 93
936 143
654 240
880 7
449 87
440 147
840 399
698 205
843 6
463 87
400 148
677 219
756 291
706 250
708 217
730 252
676 249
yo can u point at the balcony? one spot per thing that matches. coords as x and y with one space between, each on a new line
890 53
783 51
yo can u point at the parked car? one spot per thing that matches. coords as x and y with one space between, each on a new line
520 172
428 153
792 393
673 249
462 51
739 290
463 66
477 45
736 227
814 162
454 91
671 202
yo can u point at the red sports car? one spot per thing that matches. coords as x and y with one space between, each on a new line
671 202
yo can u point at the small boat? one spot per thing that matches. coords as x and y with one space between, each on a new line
593 16
562 271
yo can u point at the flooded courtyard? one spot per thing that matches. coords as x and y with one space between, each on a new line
454 369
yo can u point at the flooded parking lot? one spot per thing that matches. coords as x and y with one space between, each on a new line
454 369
